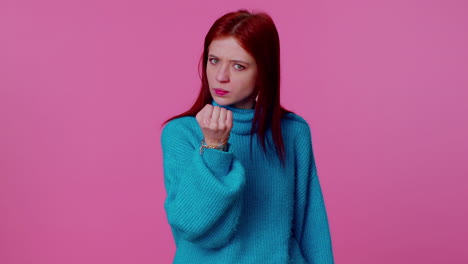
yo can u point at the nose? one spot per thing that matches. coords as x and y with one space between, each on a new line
222 75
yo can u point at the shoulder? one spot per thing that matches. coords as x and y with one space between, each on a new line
300 134
177 123
182 126
295 124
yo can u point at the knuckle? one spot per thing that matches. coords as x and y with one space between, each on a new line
213 126
202 123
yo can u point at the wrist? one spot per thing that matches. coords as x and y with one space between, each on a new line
212 143
223 146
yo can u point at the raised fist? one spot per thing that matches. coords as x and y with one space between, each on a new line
215 123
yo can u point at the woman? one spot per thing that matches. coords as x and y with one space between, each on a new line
239 169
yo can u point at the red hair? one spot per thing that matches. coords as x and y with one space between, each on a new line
257 34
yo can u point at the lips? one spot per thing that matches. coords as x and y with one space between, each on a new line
220 91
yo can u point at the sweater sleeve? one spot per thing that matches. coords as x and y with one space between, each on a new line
311 227
204 191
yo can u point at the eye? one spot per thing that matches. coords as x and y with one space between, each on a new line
239 67
213 60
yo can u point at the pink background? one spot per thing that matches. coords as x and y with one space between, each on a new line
85 85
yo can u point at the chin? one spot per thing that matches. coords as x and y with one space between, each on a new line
221 101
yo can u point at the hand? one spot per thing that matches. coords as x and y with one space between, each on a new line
215 123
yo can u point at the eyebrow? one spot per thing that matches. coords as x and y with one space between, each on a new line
241 61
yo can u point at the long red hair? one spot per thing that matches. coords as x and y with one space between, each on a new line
257 34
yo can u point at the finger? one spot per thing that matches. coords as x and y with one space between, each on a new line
207 114
199 115
222 119
215 117
229 119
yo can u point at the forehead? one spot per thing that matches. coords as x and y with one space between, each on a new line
228 48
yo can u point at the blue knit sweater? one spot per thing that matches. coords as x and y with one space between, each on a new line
241 206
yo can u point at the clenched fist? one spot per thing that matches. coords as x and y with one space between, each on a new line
215 123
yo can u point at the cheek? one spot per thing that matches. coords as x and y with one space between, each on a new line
209 71
251 80
208 74
209 77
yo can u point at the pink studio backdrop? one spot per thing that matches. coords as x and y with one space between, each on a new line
85 85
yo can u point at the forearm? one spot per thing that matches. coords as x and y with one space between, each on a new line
204 199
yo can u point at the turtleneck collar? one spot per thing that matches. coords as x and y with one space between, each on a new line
241 118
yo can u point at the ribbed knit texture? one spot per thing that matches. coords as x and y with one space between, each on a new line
242 206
